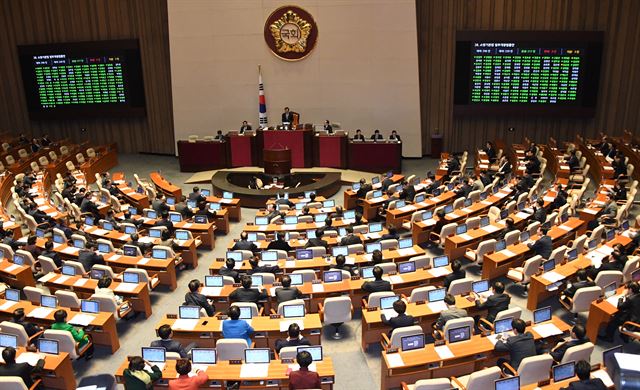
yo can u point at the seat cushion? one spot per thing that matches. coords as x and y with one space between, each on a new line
515 274
464 380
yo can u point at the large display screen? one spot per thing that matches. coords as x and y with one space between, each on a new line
68 80
532 72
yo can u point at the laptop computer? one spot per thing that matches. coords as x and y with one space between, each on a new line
293 311
564 371
409 343
203 356
89 306
542 315
257 355
189 312
462 333
48 346
314 350
510 383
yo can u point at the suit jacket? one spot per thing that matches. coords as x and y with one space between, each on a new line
358 137
519 347
244 245
377 137
494 304
264 269
587 384
540 214
224 271
316 242
23 370
279 245
242 294
165 222
542 247
386 183
287 294
399 321
281 343
362 192
558 353
395 138
159 206
449 314
287 117
170 346
244 128
329 128
30 328
183 209
198 197
571 291
630 308
53 256
376 286
89 259
304 379
197 299
350 239
460 274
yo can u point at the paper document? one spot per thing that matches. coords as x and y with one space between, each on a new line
254 371
12 268
613 300
143 261
147 240
82 319
547 330
211 291
290 264
41 312
394 360
437 307
406 252
100 232
507 253
490 228
62 278
81 282
187 225
29 357
317 287
47 277
440 271
396 279
70 250
466 237
7 305
185 324
553 276
444 352
126 287
565 228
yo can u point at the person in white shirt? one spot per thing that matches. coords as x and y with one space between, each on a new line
103 289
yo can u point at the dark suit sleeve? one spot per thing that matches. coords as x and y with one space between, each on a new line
208 307
558 353
501 346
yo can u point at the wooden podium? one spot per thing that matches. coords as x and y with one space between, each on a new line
277 161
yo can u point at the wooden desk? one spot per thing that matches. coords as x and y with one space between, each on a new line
203 231
166 269
57 372
330 151
202 155
600 313
397 217
223 371
600 168
275 227
468 356
351 198
378 156
267 330
135 199
16 276
232 205
106 158
165 186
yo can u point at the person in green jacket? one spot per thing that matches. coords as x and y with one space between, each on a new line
137 378
78 335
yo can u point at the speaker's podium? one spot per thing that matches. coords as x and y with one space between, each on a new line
277 161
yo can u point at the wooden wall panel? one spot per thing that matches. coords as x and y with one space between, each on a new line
619 95
48 21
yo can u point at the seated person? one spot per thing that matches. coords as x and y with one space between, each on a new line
539 212
88 257
341 264
184 381
165 221
318 241
358 136
577 337
519 346
244 244
165 332
582 281
543 246
235 328
197 195
350 238
457 273
294 339
376 257
364 188
103 289
392 235
194 298
228 270
254 262
219 136
245 126
376 136
22 370
246 293
401 320
137 378
509 226
495 303
279 243
287 293
378 284
18 317
394 136
168 241
327 127
60 318
451 313
585 382
303 378
203 210
628 310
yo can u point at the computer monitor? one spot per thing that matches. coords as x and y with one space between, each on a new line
436 295
171 200
549 265
191 204
200 219
625 225
256 280
564 371
375 180
437 191
78 243
572 254
504 213
311 234
440 261
610 289
296 279
8 340
130 229
269 256
189 312
18 259
449 186
300 205
237 256
542 315
89 306
608 358
320 217
427 215
484 195
349 214
501 245
152 214
611 234
48 346
253 237
315 351
58 239
564 217
11 294
68 270
175 218
404 243
400 203
419 198
461 229
262 221
304 254
205 192
484 221
106 225
88 221
215 206
213 281
332 276
510 383
462 333
546 225
158 253
48 301
307 194
257 355
291 220
227 195
521 206
409 343
293 311
155 233
182 235
387 302
130 250
467 202
524 236
342 231
374 246
97 274
133 210
245 313
448 209
480 286
203 355
104 247
635 275
377 194
503 325
154 354
355 186
593 244
366 272
340 250
406 266
329 203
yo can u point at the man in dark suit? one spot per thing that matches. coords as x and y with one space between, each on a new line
401 319
279 243
256 268
22 370
246 293
318 241
358 136
490 151
196 195
350 238
457 273
378 284
294 339
228 270
408 191
543 246
394 136
539 212
504 167
573 162
50 253
88 258
391 235
582 281
244 244
364 188
560 199
87 205
18 318
165 221
327 127
194 298
495 303
434 183
287 116
453 165
245 126
135 241
520 346
203 210
341 264
287 293
451 313
303 378
376 136
165 332
585 382
219 136
628 310
578 337
509 226
182 208
159 204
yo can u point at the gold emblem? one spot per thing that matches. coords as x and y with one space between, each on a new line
290 33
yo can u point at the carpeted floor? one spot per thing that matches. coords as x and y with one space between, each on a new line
354 369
